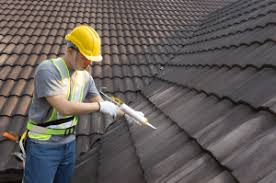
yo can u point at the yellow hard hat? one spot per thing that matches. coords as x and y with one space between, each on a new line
88 42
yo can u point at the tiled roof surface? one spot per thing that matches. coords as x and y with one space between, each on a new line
168 154
139 38
220 90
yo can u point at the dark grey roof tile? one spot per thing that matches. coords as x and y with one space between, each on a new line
199 169
86 170
129 84
170 164
107 71
246 164
268 178
224 177
242 135
107 82
161 150
97 71
119 85
123 152
117 71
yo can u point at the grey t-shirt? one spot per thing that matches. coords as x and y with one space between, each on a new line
47 82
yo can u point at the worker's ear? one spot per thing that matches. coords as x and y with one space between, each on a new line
69 50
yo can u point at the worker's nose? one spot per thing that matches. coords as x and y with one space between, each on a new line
87 62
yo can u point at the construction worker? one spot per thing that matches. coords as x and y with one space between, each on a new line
60 87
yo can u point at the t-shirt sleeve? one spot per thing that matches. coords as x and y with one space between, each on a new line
47 84
92 89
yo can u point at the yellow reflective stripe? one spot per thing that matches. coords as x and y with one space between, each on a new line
68 75
75 120
64 73
38 136
65 77
57 62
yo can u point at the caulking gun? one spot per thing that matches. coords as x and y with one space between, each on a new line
139 119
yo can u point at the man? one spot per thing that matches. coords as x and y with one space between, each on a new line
60 86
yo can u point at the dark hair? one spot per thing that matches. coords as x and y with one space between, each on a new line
71 45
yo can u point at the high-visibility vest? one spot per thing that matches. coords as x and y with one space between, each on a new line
73 93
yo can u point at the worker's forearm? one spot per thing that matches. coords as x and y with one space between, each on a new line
75 108
68 108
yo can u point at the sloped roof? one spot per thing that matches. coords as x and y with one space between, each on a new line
220 91
139 38
168 154
214 106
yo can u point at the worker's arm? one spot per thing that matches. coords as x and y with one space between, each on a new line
68 108
97 98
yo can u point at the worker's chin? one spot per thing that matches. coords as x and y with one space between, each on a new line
81 68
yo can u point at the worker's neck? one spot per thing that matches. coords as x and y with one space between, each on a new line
68 62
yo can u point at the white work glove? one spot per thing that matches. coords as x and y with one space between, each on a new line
132 120
109 108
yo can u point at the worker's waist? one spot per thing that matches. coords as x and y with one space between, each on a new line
63 127
54 122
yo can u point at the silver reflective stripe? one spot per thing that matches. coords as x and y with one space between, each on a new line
38 129
65 76
78 83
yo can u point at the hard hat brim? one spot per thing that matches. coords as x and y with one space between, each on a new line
94 58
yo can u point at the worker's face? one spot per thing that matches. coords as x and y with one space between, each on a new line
80 62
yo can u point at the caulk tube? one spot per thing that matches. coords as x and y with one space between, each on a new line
133 114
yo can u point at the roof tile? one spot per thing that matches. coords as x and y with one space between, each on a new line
6 89
10 106
4 72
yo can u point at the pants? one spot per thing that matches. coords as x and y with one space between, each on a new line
49 163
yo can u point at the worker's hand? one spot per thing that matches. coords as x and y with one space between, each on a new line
109 108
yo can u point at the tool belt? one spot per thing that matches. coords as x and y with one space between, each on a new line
42 128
